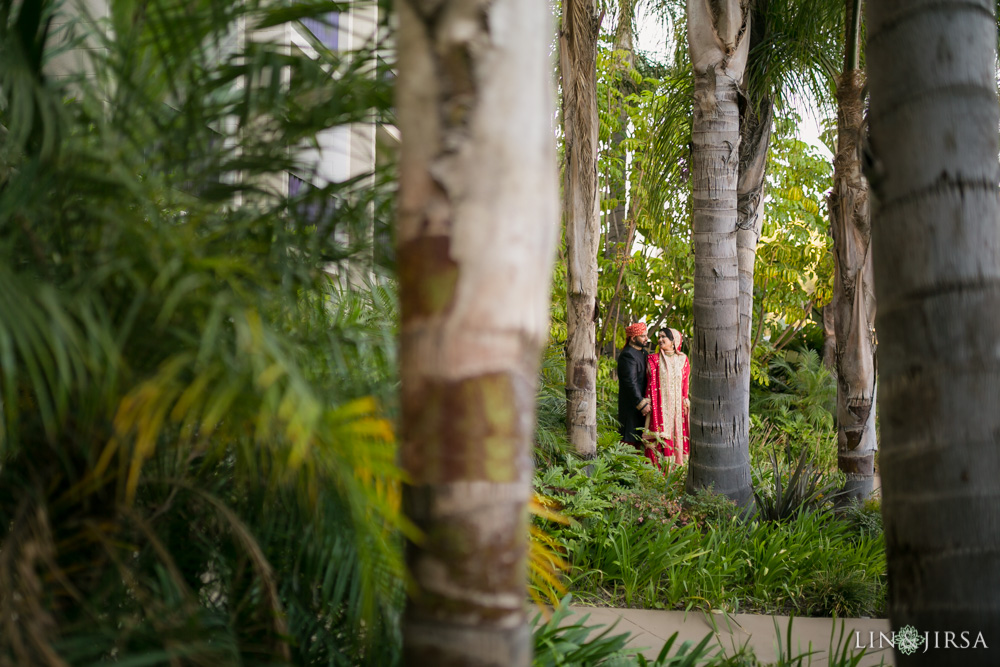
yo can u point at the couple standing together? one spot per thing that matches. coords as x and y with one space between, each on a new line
653 404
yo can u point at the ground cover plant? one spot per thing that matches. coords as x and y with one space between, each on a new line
634 538
633 541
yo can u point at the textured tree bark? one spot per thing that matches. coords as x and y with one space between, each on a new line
718 39
829 339
581 206
933 120
756 120
755 139
478 212
853 295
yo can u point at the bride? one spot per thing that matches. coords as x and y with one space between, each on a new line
667 425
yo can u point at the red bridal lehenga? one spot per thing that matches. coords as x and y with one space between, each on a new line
667 423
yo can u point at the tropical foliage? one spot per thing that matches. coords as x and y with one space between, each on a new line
653 281
649 276
628 537
197 461
794 412
802 488
794 275
632 542
198 389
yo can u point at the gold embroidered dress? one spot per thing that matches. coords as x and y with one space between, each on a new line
667 388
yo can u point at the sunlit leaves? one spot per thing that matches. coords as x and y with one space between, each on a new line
648 165
794 273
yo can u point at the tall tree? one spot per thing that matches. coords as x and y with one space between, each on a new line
786 54
718 37
933 121
478 208
853 292
756 118
581 206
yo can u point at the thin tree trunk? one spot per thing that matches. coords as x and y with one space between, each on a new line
853 290
617 313
614 240
933 122
617 240
718 39
617 230
829 339
756 120
478 212
755 131
578 51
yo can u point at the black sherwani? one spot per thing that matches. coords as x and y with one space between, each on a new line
631 393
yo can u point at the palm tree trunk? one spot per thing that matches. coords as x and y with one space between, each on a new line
756 119
578 51
853 290
718 39
936 242
755 131
478 211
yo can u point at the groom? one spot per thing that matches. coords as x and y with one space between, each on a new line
632 404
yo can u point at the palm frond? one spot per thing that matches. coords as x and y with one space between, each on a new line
799 52
188 388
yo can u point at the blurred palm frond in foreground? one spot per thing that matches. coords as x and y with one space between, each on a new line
197 457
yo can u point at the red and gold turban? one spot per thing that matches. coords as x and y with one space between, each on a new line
637 329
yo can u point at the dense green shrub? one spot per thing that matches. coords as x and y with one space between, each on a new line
707 508
794 413
551 442
634 539
198 459
865 517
